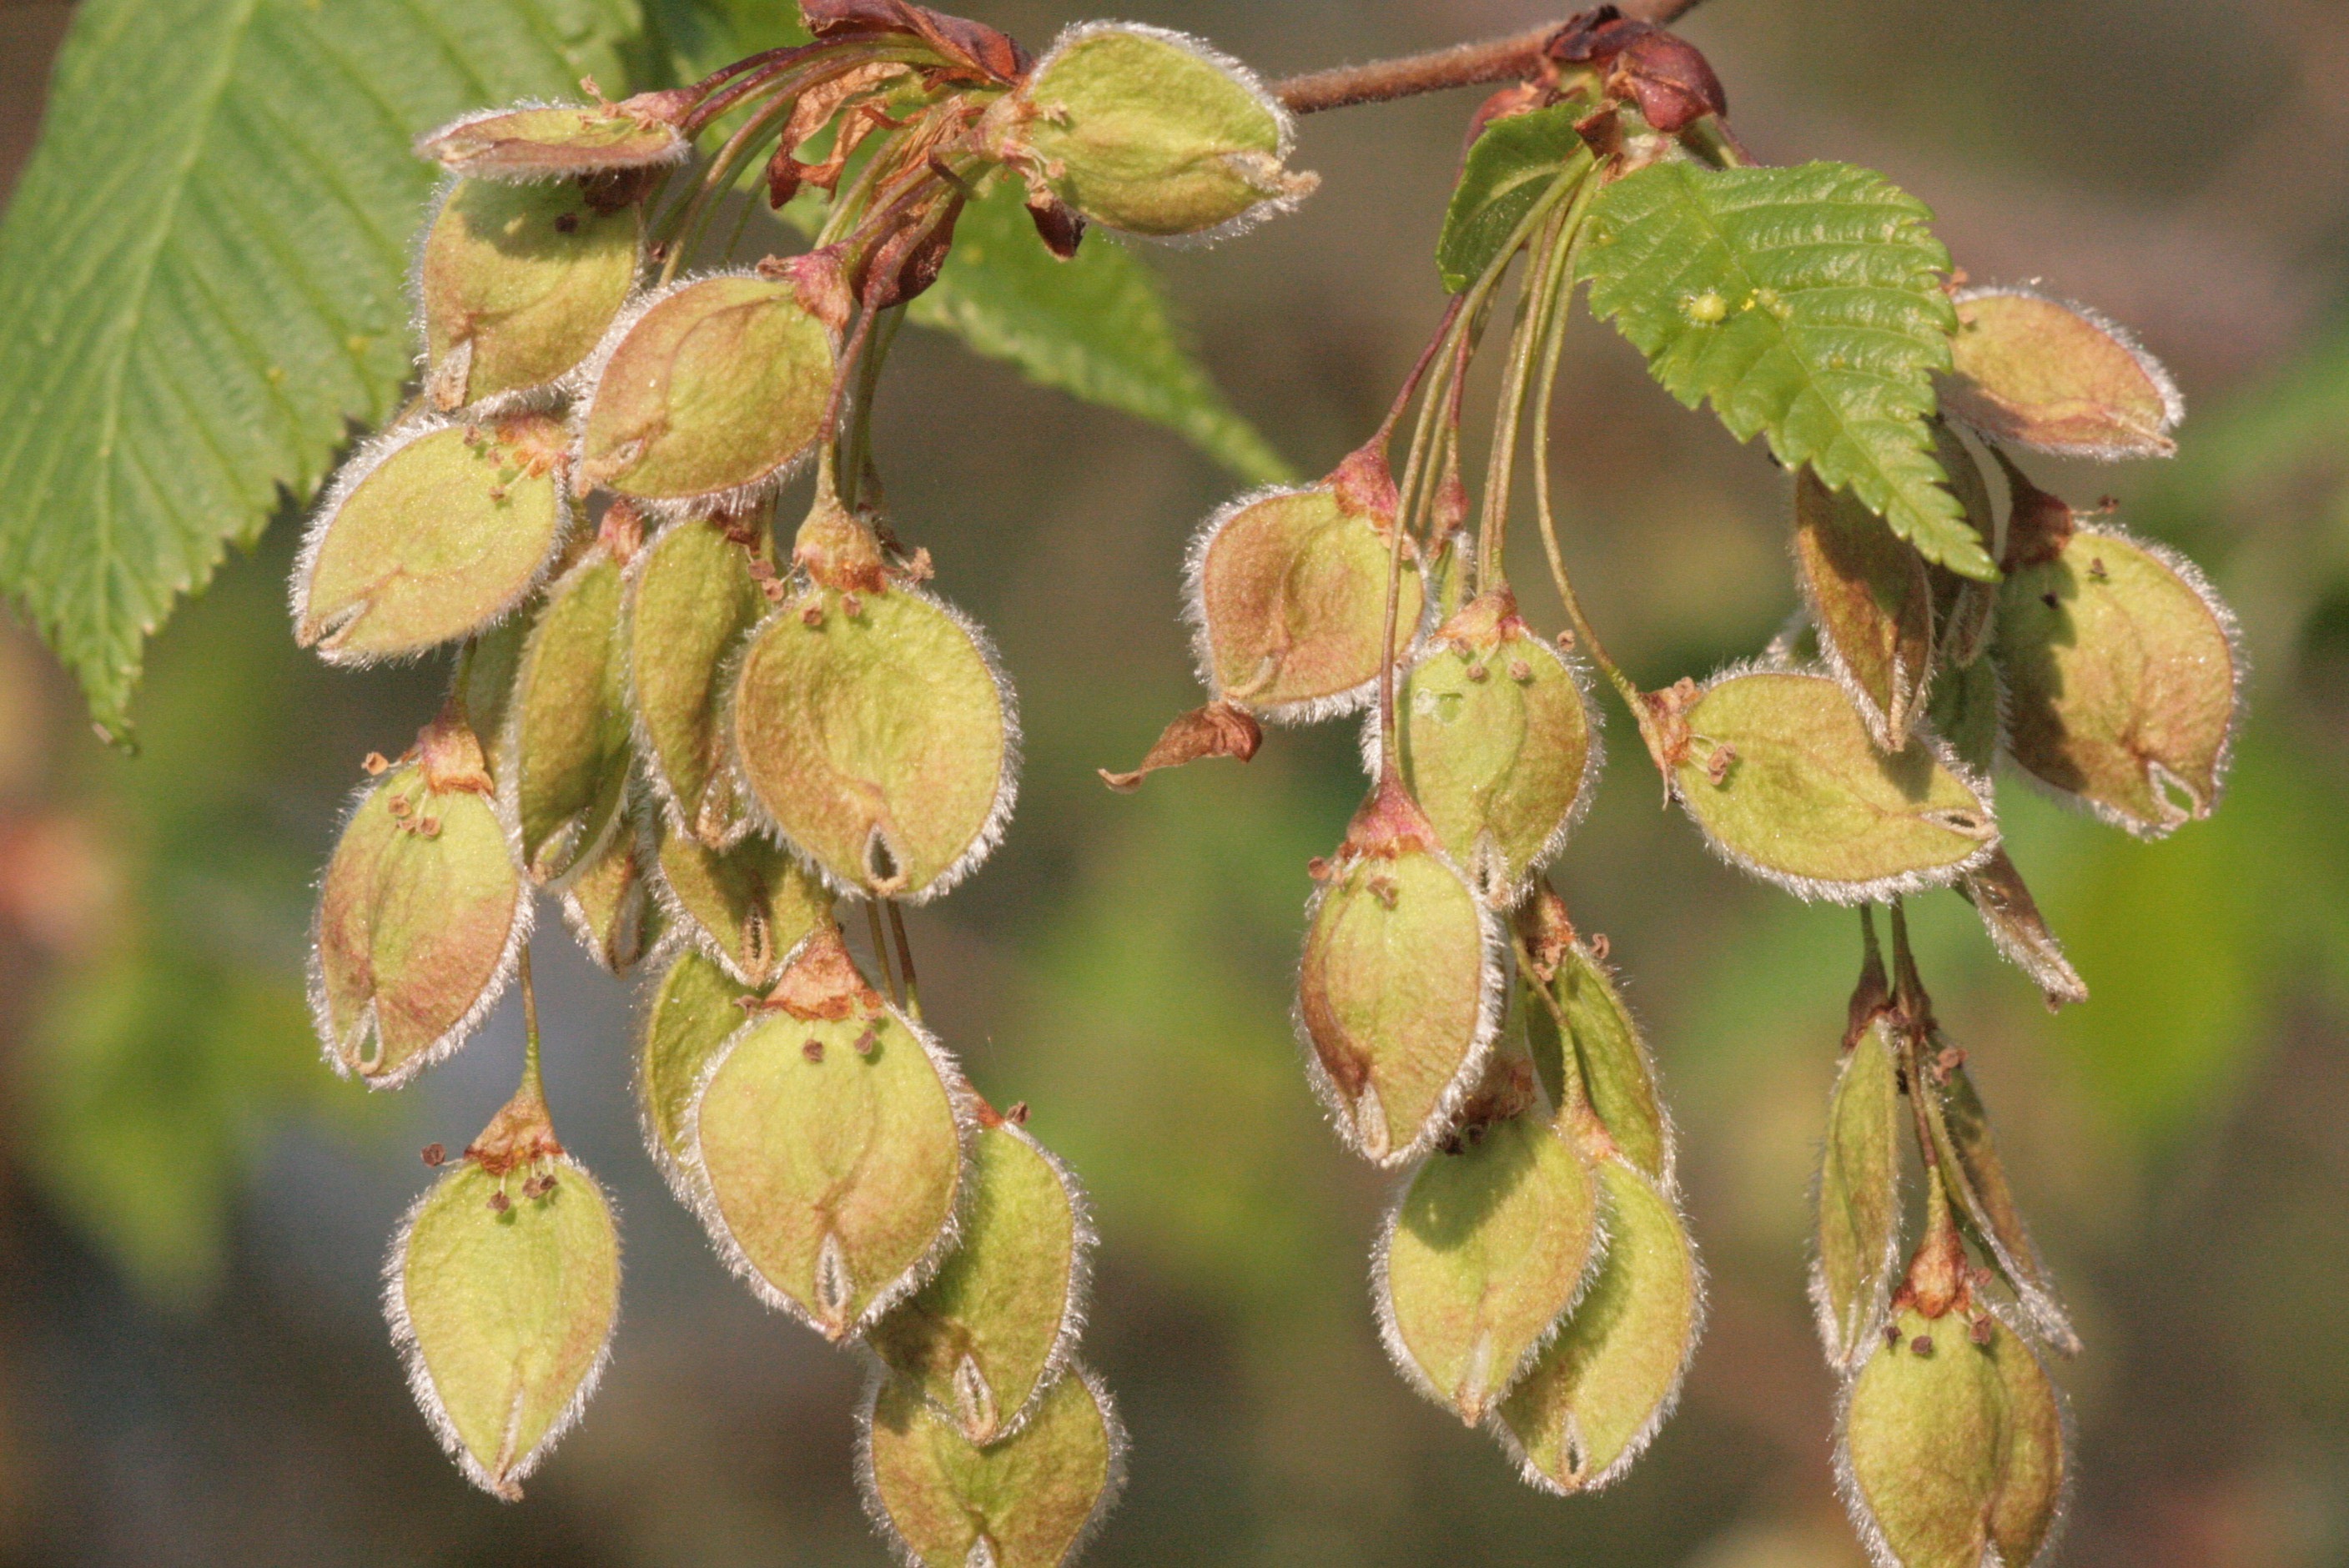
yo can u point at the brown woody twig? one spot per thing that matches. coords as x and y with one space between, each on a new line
1511 58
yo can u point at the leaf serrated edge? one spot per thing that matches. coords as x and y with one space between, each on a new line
1610 300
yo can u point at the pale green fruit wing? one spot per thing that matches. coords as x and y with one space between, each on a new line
690 601
1500 748
883 746
516 285
1608 1380
993 1328
1872 601
566 736
1967 713
1618 1072
483 686
1157 134
416 935
2036 1490
832 1173
1946 1457
689 1015
1033 1500
1286 591
747 908
608 902
704 395
1482 1255
504 1316
2057 377
1804 799
1856 1245
431 531
2011 916
1984 1200
1918 1448
534 141
1399 999
2124 695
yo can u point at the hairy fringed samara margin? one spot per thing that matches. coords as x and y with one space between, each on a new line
719 741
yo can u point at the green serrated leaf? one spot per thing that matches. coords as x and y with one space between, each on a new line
201 278
1095 327
1507 171
1804 304
697 37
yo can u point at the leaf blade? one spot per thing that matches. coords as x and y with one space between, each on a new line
203 273
1803 304
1508 168
1095 327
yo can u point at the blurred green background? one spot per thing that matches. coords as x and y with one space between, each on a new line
193 1368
